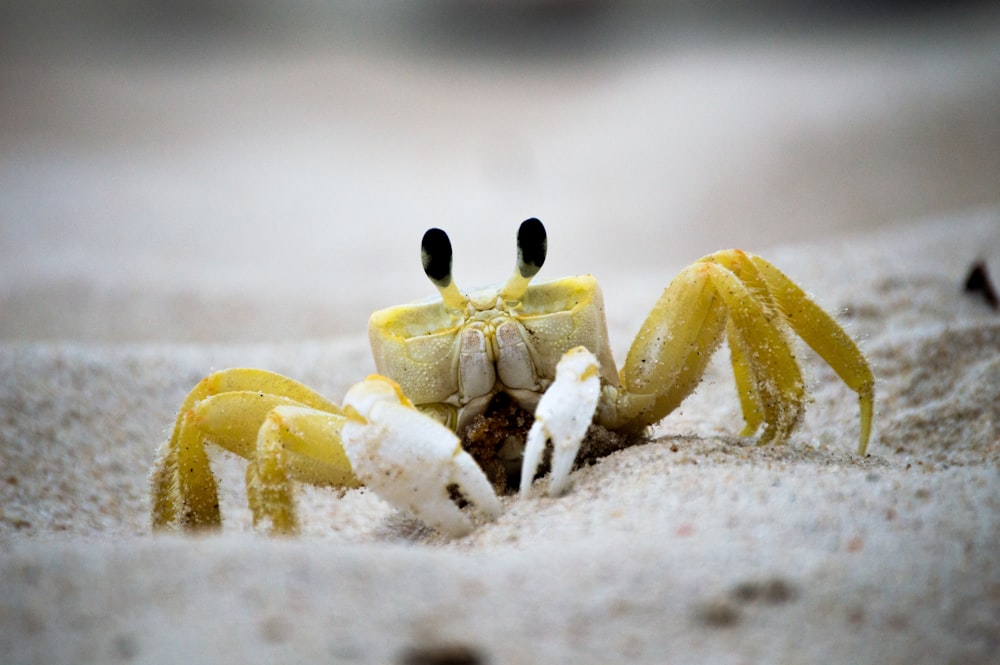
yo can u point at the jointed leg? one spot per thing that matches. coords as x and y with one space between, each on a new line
746 388
670 352
269 489
183 487
818 329
410 459
299 443
766 358
723 292
827 338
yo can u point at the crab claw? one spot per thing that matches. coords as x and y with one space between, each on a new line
411 460
562 416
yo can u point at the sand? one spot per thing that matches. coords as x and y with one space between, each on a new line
130 268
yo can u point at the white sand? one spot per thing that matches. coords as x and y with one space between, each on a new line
128 272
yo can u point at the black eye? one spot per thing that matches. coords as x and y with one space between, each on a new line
435 253
532 245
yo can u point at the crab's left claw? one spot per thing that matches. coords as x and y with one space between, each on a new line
411 460
562 416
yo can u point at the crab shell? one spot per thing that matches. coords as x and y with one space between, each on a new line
451 363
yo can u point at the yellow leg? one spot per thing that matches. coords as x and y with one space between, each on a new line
746 388
253 380
311 441
669 355
298 443
283 440
183 487
163 488
753 302
827 339
816 328
231 420
769 362
269 489
757 400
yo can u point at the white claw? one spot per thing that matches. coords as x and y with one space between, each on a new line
411 460
563 415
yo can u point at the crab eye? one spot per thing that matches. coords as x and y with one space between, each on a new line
435 253
531 247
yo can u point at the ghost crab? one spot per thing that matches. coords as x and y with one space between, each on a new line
545 345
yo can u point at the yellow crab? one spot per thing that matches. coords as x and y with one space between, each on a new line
441 363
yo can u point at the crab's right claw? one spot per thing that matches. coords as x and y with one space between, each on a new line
562 416
411 460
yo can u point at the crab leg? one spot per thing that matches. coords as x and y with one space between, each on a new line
183 488
746 388
828 339
816 328
300 443
765 354
752 300
269 490
670 352
562 416
411 460
739 263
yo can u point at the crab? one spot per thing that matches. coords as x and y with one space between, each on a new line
543 347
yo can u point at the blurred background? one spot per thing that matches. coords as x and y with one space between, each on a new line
223 170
